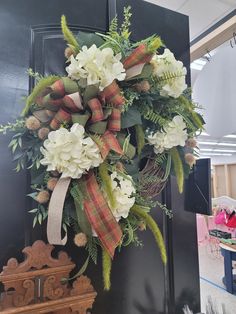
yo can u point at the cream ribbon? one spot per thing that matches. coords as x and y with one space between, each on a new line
55 211
134 71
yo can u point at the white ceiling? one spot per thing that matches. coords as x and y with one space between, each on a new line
202 13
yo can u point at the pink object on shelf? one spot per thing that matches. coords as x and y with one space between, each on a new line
202 230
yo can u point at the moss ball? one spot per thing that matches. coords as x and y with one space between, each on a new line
32 123
143 86
68 52
43 133
52 183
191 142
43 197
190 159
80 239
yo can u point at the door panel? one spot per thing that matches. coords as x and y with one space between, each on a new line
30 31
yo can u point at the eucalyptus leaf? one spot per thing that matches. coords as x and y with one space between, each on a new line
88 39
130 118
90 92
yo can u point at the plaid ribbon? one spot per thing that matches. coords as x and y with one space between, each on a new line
96 109
111 95
139 55
100 215
109 142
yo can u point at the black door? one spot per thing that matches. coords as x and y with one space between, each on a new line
30 37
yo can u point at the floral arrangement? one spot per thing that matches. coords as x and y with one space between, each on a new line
102 140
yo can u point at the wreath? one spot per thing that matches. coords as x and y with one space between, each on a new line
102 140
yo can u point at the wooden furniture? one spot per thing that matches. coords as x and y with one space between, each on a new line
223 181
229 253
37 285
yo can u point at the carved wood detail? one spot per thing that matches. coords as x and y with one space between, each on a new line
36 286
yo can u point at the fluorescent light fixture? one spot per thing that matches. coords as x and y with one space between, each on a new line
217 150
200 61
217 144
196 66
204 134
230 136
208 143
227 144
215 154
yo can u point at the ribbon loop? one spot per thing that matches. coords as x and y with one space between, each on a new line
60 117
96 108
140 55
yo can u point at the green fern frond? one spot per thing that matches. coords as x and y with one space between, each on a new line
106 181
154 117
68 35
106 265
178 168
152 225
124 30
41 85
97 139
168 77
140 138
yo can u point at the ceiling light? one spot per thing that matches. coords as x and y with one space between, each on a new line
217 150
218 144
227 144
208 143
196 66
204 134
200 62
215 154
230 136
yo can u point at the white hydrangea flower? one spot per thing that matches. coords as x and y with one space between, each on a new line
70 152
166 63
94 66
173 134
123 190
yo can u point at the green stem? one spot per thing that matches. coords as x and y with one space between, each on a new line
106 264
178 168
152 225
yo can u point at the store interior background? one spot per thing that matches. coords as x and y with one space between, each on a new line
213 86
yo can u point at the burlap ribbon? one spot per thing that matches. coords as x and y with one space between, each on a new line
55 211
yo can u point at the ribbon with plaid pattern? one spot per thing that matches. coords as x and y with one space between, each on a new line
140 55
100 215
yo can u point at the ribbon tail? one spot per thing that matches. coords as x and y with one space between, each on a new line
55 211
100 215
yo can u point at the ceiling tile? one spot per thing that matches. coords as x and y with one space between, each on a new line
170 4
204 13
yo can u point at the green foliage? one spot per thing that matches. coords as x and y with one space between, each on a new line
178 168
140 138
130 118
40 213
41 85
151 224
92 248
151 115
78 196
129 227
68 35
106 266
118 39
130 96
106 183
89 39
17 126
168 77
